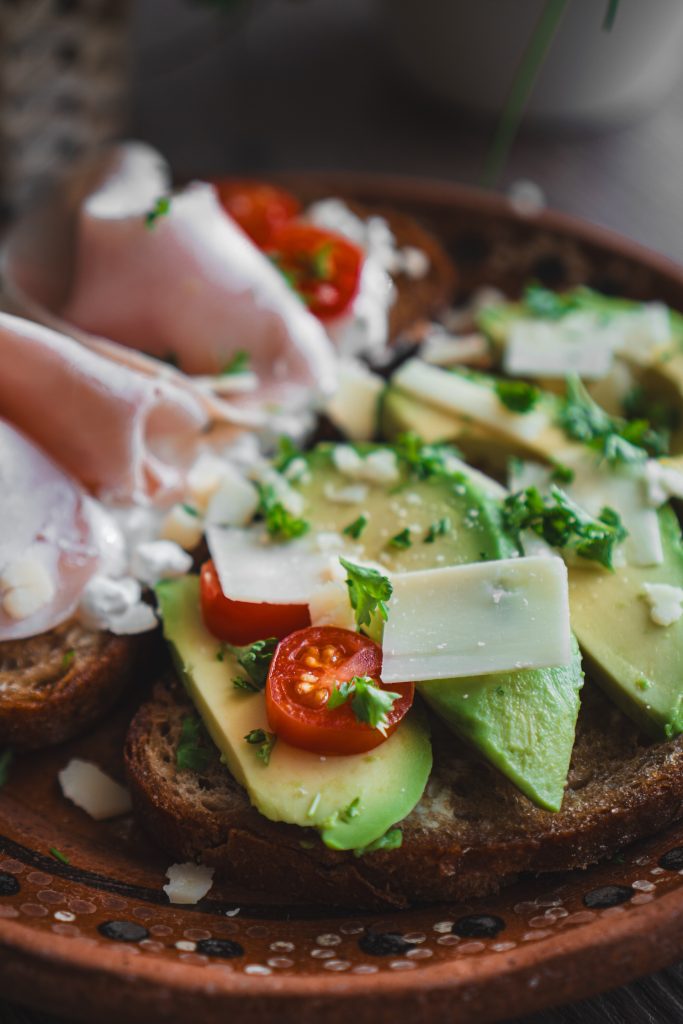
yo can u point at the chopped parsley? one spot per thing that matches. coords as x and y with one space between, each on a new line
369 591
424 460
190 509
287 451
660 413
58 855
546 304
280 523
369 702
160 209
391 840
68 658
563 524
191 755
355 528
6 758
255 659
322 262
616 439
401 540
517 395
561 474
264 743
438 529
238 364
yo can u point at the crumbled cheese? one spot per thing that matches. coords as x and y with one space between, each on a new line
665 601
662 482
292 500
379 467
352 495
526 197
115 605
297 471
205 477
95 792
235 502
26 586
188 883
156 560
415 261
182 527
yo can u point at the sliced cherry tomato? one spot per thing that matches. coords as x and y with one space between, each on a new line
306 668
322 267
258 208
242 622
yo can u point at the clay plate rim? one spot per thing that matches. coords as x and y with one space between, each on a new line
60 974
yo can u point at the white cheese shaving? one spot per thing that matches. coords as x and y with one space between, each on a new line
354 408
665 601
476 619
95 792
354 494
205 477
443 349
234 503
188 883
577 343
182 527
156 560
26 586
662 482
378 467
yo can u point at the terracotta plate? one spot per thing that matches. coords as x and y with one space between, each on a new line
96 936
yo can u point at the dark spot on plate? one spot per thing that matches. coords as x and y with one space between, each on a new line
384 944
224 948
672 860
471 249
478 926
550 271
608 896
9 885
123 931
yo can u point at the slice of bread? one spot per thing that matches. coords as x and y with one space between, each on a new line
471 833
55 685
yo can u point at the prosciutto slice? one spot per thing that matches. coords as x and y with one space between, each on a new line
189 287
51 541
123 435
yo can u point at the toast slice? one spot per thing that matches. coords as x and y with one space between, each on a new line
471 833
55 685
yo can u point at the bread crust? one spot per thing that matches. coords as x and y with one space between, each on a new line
471 834
54 686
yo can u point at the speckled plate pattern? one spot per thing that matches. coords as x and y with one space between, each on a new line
90 932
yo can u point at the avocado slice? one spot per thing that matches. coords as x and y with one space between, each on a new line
522 722
637 662
351 801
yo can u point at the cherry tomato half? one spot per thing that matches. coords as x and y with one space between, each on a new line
322 267
242 622
258 208
306 668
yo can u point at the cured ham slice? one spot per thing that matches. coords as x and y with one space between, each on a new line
123 435
188 286
51 541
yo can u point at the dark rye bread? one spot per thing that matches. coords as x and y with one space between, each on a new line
56 685
471 833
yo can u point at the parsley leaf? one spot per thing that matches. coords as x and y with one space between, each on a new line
401 540
391 840
68 658
355 528
369 702
6 758
58 855
563 524
263 741
369 591
616 439
255 659
280 522
238 364
190 755
160 209
438 529
517 395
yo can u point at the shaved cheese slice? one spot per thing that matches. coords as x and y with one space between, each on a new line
251 567
470 620
468 397
578 343
95 792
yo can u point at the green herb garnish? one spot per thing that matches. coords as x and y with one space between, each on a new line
660 413
423 460
401 540
350 812
517 395
369 591
190 754
561 474
547 305
58 855
355 528
68 658
615 439
438 529
160 209
280 523
563 524
287 451
190 509
369 702
322 266
264 743
6 758
239 363
255 659
391 840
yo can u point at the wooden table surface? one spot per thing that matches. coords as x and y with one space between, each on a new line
308 85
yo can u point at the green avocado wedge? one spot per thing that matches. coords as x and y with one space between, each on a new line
637 662
351 801
522 722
